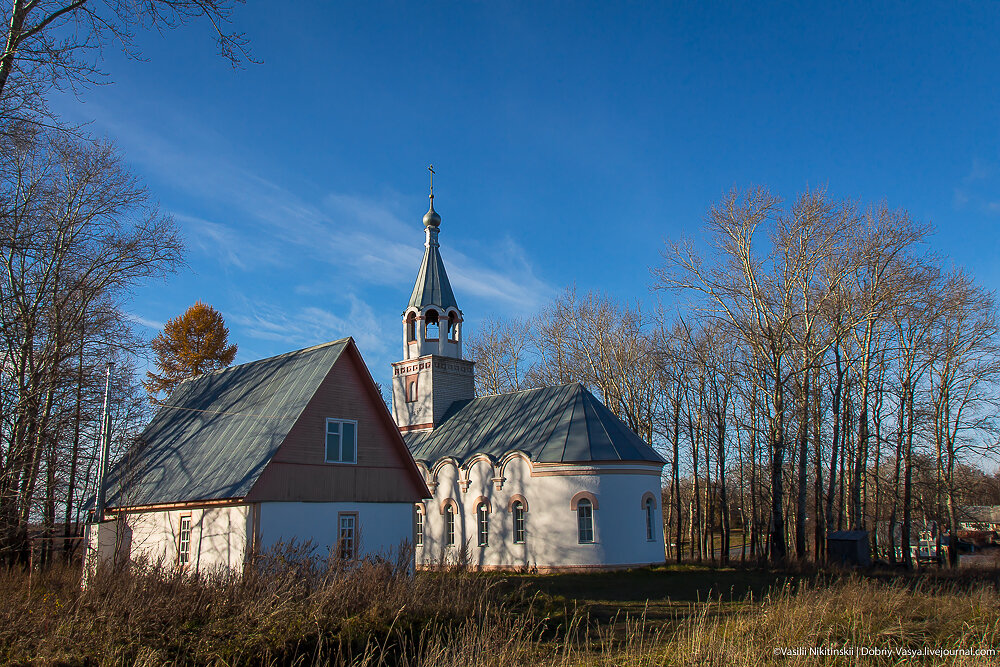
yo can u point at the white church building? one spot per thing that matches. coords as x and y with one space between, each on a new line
299 447
547 478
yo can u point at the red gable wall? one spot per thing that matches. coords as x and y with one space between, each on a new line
385 471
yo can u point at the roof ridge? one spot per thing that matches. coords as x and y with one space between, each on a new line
524 391
219 371
604 426
569 427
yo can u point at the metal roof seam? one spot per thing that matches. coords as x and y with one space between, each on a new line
597 413
569 427
556 419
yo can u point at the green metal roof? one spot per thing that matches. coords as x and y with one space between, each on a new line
432 287
215 434
559 424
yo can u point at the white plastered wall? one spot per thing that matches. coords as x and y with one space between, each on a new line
382 527
218 536
551 539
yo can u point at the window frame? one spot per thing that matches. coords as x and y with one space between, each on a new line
449 526
326 433
184 545
351 552
517 516
582 528
418 531
483 524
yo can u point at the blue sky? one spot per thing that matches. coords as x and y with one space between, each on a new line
570 140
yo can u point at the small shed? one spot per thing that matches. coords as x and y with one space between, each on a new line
849 547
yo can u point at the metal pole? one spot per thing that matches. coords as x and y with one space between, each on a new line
105 452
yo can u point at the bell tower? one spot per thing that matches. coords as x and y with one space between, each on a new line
432 374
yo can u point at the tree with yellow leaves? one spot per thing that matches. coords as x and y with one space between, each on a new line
191 344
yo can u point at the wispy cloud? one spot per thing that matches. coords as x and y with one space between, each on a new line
311 325
228 245
977 189
308 270
139 319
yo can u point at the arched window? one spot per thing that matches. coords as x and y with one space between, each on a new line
453 327
411 328
483 522
449 524
420 528
412 394
431 328
585 520
517 512
650 532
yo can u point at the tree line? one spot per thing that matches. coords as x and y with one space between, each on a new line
819 368
79 233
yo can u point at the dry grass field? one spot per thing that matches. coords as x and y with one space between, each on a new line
293 611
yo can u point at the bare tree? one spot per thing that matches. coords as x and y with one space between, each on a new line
500 349
77 232
879 242
966 364
750 292
58 43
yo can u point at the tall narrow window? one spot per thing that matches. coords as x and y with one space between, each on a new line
341 441
420 528
452 328
585 520
650 532
483 516
347 541
412 393
184 542
449 525
518 515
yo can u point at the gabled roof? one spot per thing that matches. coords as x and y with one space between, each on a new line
432 287
559 424
215 434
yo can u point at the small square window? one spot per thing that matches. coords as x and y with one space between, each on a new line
341 441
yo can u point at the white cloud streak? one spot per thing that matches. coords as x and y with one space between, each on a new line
260 228
139 319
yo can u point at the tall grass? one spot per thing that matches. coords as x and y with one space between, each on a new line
290 608
298 611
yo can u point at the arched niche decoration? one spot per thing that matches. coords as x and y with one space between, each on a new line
442 464
646 496
411 327
510 456
471 463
